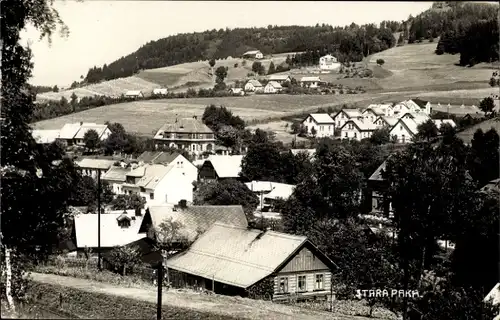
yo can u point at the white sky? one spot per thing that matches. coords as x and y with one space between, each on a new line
103 31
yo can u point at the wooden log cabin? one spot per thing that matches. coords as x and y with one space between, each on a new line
254 263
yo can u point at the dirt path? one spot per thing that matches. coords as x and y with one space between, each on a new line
216 304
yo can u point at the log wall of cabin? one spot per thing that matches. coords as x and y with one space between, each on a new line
304 263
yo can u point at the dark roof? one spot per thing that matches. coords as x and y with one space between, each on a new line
187 125
421 103
158 157
197 218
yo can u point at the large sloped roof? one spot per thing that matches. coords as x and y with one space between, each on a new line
236 256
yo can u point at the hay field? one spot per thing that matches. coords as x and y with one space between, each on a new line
145 117
416 66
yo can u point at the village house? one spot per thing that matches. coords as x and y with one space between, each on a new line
376 193
161 183
220 167
233 260
118 228
310 82
412 106
387 109
273 87
357 129
341 117
45 136
269 192
254 54
329 63
280 78
116 176
253 86
321 124
134 94
440 122
404 130
73 133
160 91
91 167
371 114
236 91
385 122
188 134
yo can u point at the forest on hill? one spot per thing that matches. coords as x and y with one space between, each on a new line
349 43
470 29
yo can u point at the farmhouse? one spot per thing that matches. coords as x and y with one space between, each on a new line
160 92
162 184
357 129
188 134
329 63
269 192
233 260
220 167
253 86
343 115
384 121
237 91
73 133
91 167
45 136
319 125
254 54
117 229
280 78
194 219
310 82
134 94
406 128
273 87
413 106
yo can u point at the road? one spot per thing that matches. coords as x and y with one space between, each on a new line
234 306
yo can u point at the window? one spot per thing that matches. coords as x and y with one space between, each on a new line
301 283
355 135
346 134
319 282
400 127
125 223
283 285
143 189
151 196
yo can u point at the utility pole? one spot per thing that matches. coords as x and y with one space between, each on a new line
160 289
99 262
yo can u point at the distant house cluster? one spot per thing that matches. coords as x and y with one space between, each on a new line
401 118
71 133
136 94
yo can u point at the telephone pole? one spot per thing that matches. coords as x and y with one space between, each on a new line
99 263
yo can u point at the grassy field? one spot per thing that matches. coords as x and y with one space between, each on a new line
467 134
282 129
416 66
146 117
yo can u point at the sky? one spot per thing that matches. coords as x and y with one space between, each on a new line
103 31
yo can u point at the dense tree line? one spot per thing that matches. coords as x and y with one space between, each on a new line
349 43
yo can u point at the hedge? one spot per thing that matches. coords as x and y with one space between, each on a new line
101 306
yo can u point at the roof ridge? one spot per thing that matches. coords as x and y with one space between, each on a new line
219 256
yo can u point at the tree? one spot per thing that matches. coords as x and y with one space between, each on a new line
214 117
55 89
74 101
272 68
258 68
401 40
262 162
220 74
493 82
427 130
313 132
227 192
380 62
484 156
211 63
84 192
91 140
487 105
128 201
124 258
36 180
380 136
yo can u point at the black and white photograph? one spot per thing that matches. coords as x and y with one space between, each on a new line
227 160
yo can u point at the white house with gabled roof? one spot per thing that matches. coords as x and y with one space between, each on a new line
341 117
273 87
384 122
254 54
280 78
406 129
357 129
253 86
134 94
329 63
322 124
310 82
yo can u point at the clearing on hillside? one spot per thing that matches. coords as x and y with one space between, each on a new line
416 65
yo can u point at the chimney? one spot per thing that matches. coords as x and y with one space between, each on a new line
138 212
183 204
81 123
